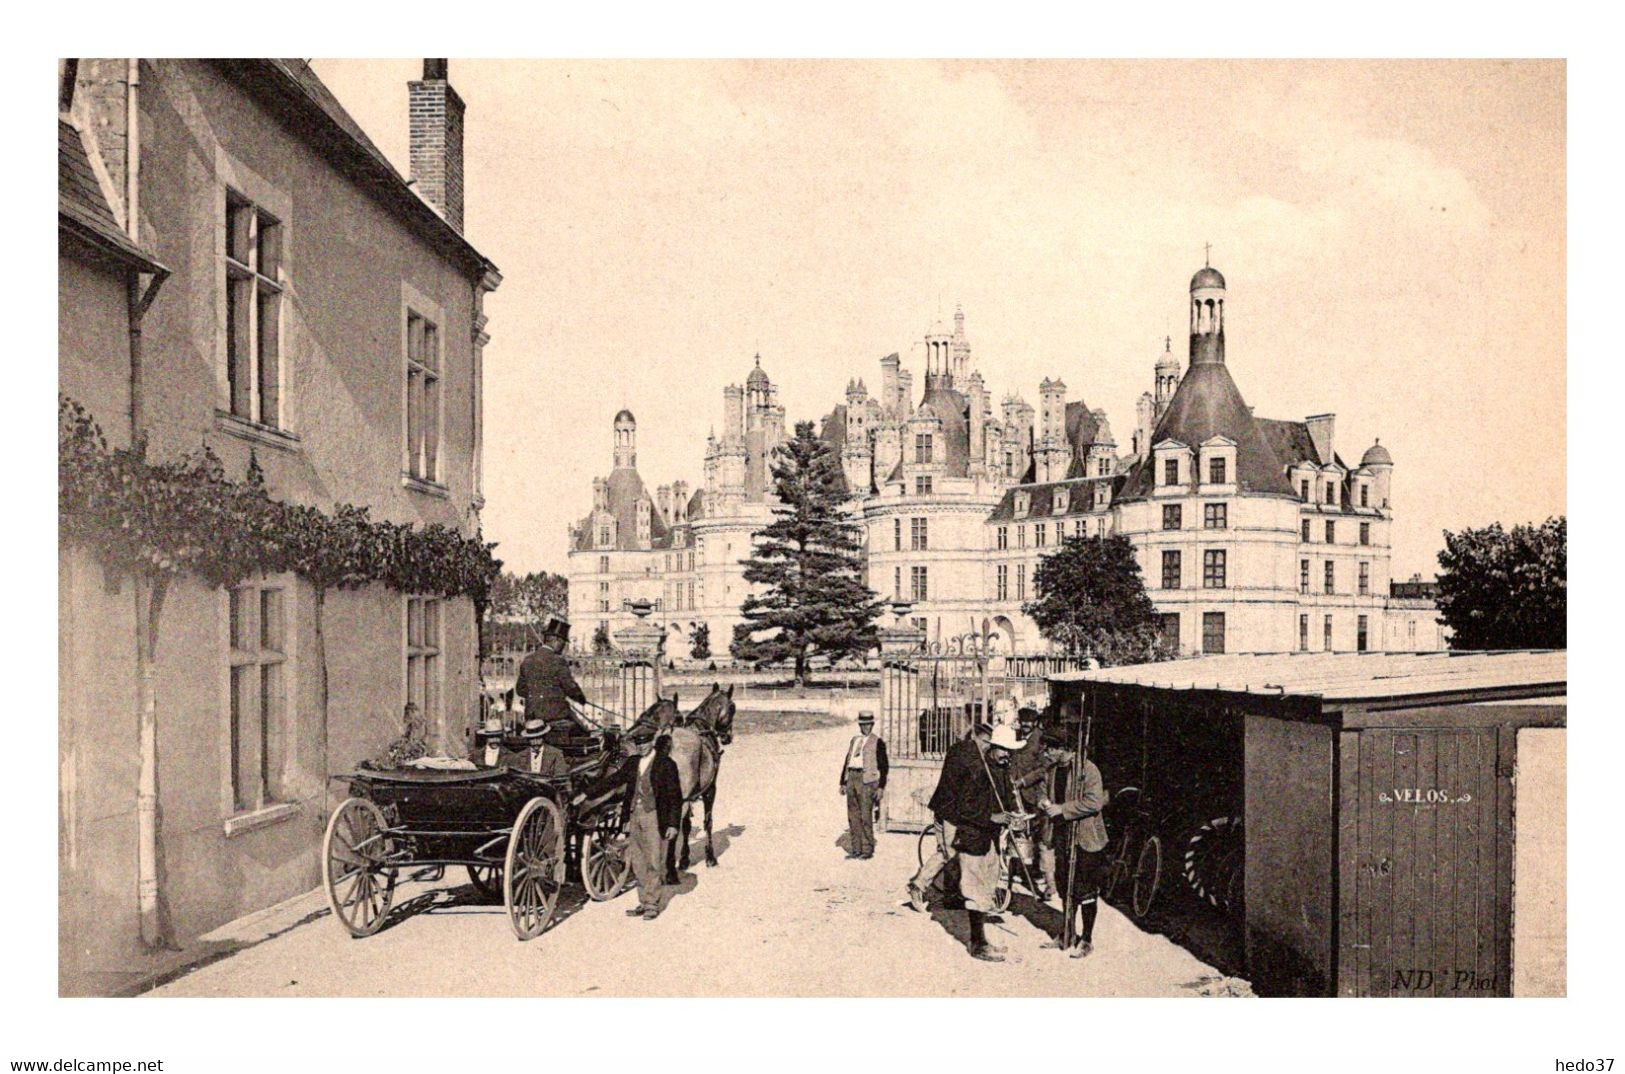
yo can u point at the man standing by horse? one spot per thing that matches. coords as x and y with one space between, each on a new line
548 686
654 811
863 781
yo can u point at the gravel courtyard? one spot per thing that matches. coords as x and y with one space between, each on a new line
783 914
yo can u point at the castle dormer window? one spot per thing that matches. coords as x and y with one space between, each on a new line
1170 471
1023 504
1062 501
1216 470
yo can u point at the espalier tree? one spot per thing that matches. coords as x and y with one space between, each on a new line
809 563
1089 599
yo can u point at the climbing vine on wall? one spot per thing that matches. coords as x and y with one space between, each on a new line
186 516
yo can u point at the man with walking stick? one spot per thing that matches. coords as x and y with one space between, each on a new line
1086 846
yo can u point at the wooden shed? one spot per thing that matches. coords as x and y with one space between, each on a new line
1403 813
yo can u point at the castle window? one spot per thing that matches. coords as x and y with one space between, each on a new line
1172 516
1213 569
1331 576
1365 533
1303 633
1170 471
603 596
1216 471
920 583
1303 490
1021 581
897 534
603 564
922 485
1003 587
1215 516
897 582
1023 501
922 447
1039 532
603 535
1365 495
1021 536
1168 629
919 534
1331 532
1003 538
1331 493
1303 576
1306 531
1170 570
1103 494
1360 631
1326 634
1080 527
1061 501
1212 632
1365 578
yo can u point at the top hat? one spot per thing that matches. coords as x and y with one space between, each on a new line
1004 737
535 727
556 626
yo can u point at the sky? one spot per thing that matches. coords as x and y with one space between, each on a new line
1392 233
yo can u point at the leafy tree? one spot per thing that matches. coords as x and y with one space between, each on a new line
1506 590
600 640
699 641
1088 598
809 562
526 600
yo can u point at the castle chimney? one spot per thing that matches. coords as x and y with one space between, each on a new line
435 114
1320 433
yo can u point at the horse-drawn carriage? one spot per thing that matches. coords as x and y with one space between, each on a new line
520 836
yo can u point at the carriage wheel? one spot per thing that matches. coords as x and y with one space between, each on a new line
487 880
355 850
1147 874
1212 860
534 870
605 868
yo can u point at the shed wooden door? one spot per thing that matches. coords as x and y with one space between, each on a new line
1425 847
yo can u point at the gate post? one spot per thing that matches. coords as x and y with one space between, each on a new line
643 648
899 722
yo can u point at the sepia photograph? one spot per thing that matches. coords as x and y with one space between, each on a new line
495 496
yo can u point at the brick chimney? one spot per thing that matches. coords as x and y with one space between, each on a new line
435 113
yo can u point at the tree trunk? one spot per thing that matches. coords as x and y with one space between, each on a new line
149 602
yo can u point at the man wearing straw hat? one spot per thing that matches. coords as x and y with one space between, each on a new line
491 750
541 758
863 782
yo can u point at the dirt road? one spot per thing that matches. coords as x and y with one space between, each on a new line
783 914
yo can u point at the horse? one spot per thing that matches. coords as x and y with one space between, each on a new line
697 739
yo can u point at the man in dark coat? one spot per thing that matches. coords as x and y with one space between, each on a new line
548 686
962 758
654 810
970 798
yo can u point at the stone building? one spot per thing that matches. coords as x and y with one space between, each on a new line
240 267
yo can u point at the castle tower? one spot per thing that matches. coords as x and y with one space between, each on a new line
1102 460
663 501
679 502
1207 317
1018 436
1381 464
889 386
855 452
1166 374
626 441
758 394
1052 452
959 348
938 360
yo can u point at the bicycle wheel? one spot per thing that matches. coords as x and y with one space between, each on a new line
927 844
1001 893
1147 874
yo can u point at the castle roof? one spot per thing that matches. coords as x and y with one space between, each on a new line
1207 276
1042 497
1209 404
1376 455
626 488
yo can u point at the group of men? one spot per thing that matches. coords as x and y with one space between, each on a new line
654 800
998 774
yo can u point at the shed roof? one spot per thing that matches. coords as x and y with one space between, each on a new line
1351 677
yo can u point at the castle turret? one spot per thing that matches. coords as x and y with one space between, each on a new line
889 400
663 502
959 349
1102 460
1166 374
679 502
1052 453
626 441
1207 317
1381 464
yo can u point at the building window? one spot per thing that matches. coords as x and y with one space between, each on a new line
1303 576
897 534
1365 495
422 398
1365 533
1170 570
1305 531
1215 516
1172 516
603 596
423 656
691 596
1303 490
1023 500
1212 632
897 582
1213 568
922 485
1216 471
1021 536
258 728
1331 576
1360 634
603 564
1040 532
1365 579
922 447
1021 581
1170 471
1326 634
1303 633
919 534
921 588
1168 629
1080 527
1060 502
1003 538
1331 532
1003 576
253 312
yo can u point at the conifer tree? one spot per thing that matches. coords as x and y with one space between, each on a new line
809 562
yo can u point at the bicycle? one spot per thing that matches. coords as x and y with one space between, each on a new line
1138 855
